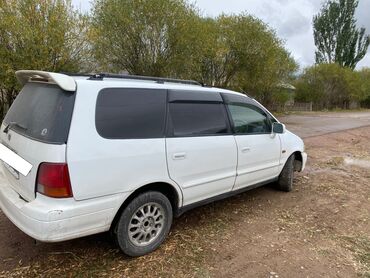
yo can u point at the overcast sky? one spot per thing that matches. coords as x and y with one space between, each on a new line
292 20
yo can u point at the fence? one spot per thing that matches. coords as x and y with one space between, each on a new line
300 106
296 106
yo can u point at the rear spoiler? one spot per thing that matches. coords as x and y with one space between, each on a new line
65 82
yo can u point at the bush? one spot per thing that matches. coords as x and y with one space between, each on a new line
331 86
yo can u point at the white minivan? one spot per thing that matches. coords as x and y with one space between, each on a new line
126 154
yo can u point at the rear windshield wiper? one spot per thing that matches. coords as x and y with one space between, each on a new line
11 124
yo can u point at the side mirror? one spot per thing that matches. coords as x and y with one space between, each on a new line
278 128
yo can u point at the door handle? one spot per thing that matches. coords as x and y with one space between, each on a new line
246 149
179 156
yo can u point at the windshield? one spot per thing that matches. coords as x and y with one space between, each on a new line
42 112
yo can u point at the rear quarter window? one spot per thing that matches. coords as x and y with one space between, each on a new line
123 113
42 112
198 119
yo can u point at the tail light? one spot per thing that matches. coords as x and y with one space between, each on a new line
53 180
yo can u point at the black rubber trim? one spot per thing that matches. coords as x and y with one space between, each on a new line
194 96
231 98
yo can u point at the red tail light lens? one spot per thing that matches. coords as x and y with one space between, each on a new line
53 180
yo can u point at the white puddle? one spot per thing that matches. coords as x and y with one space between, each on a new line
357 162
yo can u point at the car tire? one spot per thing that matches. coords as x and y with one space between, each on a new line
285 181
144 224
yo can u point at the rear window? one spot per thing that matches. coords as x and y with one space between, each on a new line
42 112
123 113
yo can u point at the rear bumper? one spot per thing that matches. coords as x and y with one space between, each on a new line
53 220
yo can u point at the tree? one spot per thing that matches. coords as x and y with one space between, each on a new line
364 75
241 52
170 38
216 63
143 37
262 61
39 34
337 38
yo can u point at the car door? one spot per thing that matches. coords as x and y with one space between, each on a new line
259 149
201 150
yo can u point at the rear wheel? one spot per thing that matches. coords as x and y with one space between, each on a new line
285 181
144 224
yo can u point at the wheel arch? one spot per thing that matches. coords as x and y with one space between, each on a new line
172 192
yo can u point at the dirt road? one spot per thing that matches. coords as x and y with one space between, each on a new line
313 124
321 229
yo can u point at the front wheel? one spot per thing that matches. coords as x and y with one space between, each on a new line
285 181
144 224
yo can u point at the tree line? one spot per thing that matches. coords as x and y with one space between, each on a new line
333 81
330 86
164 38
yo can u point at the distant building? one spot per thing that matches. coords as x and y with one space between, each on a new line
286 93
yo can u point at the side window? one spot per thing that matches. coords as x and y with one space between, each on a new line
249 119
198 119
131 113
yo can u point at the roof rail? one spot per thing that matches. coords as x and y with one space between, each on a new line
161 80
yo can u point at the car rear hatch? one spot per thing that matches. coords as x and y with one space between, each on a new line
36 128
